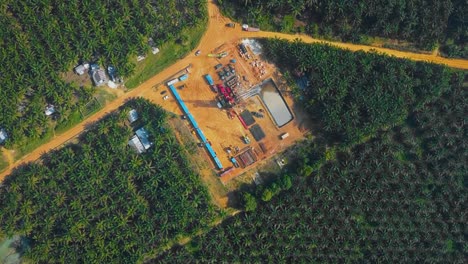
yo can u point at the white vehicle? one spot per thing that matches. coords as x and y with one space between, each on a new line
284 135
166 97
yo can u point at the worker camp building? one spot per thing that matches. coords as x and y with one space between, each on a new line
99 77
81 69
132 116
140 141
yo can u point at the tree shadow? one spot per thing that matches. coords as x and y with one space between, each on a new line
16 172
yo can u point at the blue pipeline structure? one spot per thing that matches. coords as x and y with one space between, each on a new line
196 127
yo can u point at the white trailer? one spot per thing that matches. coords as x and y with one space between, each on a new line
172 82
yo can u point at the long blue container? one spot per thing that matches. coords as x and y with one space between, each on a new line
209 79
193 121
213 154
197 129
201 135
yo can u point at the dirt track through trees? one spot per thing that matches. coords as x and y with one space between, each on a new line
454 63
216 34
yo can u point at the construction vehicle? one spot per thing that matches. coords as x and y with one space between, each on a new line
231 25
246 139
218 66
223 54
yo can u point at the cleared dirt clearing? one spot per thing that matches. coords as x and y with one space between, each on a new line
216 35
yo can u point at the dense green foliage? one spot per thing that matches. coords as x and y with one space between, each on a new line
420 21
41 39
97 201
251 195
399 198
248 201
353 94
283 183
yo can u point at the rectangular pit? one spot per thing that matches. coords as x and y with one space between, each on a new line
275 103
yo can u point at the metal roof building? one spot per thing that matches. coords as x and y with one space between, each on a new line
50 109
80 69
132 116
143 136
99 77
3 135
136 144
140 141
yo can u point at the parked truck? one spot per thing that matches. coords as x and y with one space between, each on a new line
246 27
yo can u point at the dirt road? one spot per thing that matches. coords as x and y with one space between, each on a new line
454 63
216 35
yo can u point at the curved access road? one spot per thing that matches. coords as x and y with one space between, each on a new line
216 35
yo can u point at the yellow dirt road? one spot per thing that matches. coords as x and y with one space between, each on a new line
454 63
216 35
